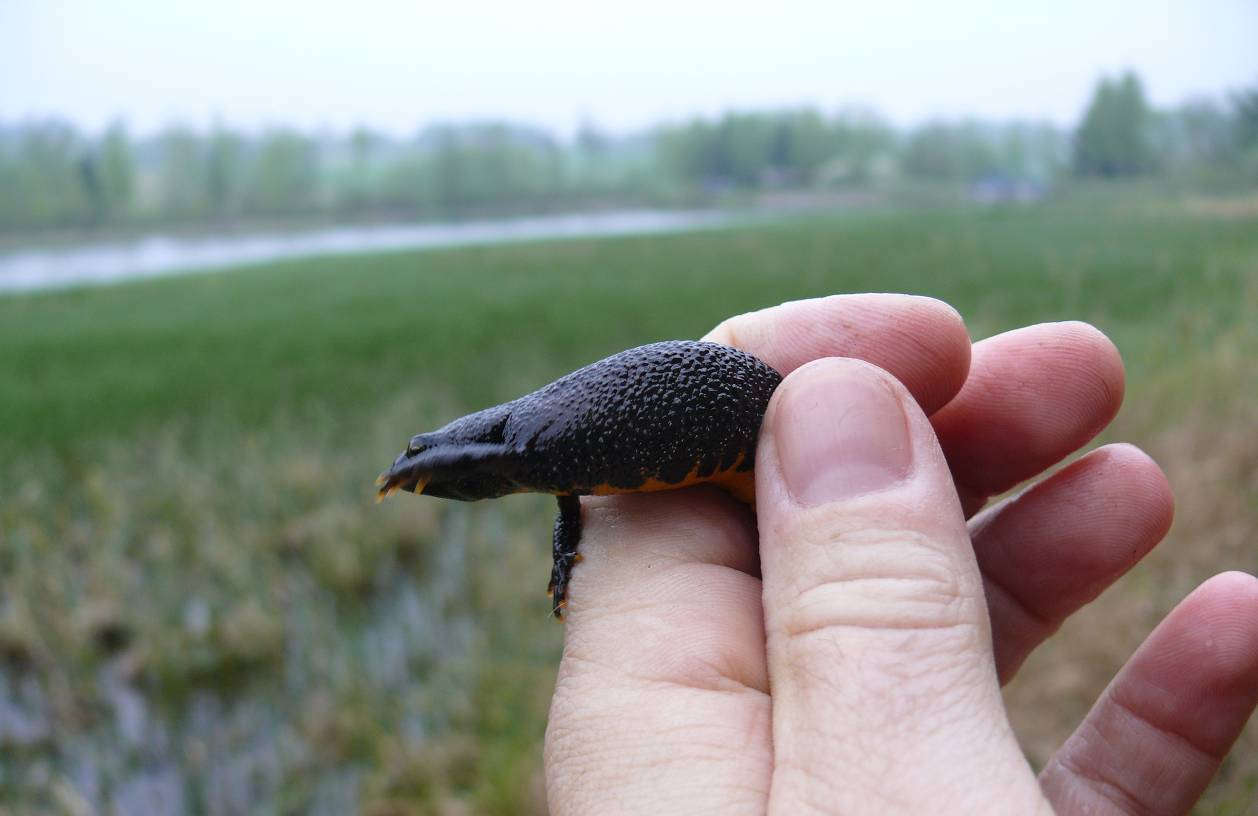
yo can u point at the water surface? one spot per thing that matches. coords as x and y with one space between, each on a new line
166 255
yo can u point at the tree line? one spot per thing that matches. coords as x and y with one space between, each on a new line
52 175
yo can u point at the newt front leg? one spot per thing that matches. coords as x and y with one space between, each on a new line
566 539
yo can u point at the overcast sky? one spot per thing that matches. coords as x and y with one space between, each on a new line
398 65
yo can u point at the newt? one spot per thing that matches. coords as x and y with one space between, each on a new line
662 416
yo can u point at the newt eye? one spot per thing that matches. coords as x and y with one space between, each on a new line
415 445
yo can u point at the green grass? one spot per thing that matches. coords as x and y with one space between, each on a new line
186 466
339 336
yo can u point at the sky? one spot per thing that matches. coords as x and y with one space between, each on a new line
397 66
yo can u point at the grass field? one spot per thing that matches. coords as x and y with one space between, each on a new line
202 604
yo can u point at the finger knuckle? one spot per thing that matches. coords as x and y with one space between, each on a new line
893 581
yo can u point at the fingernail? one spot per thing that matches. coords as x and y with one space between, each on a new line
840 433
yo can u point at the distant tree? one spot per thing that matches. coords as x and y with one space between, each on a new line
93 190
862 138
355 183
409 182
804 142
116 168
491 165
590 139
948 151
746 147
492 172
590 166
10 177
1196 133
1245 116
285 178
688 153
1114 137
182 174
1045 149
44 185
363 142
224 171
772 148
449 169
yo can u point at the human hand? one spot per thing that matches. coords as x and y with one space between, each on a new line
862 673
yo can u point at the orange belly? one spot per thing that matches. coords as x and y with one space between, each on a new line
741 484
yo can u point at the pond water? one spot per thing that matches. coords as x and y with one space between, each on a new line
164 255
238 750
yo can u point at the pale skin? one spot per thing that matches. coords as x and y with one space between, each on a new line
842 650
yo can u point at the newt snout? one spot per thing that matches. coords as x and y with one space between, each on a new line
447 470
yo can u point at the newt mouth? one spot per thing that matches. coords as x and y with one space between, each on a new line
447 464
402 476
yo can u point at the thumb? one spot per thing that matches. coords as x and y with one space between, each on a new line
885 696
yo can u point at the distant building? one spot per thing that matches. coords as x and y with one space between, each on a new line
999 188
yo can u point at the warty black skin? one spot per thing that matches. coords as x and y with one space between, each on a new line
656 417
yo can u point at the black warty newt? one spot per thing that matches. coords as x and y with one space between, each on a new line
658 417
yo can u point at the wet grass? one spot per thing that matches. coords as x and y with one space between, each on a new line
194 569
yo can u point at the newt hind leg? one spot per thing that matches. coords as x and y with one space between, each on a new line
564 545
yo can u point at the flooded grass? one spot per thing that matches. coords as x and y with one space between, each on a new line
203 610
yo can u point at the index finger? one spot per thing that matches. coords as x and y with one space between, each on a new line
920 341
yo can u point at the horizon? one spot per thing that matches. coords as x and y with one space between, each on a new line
93 66
320 131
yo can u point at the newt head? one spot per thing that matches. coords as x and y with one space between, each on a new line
448 470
